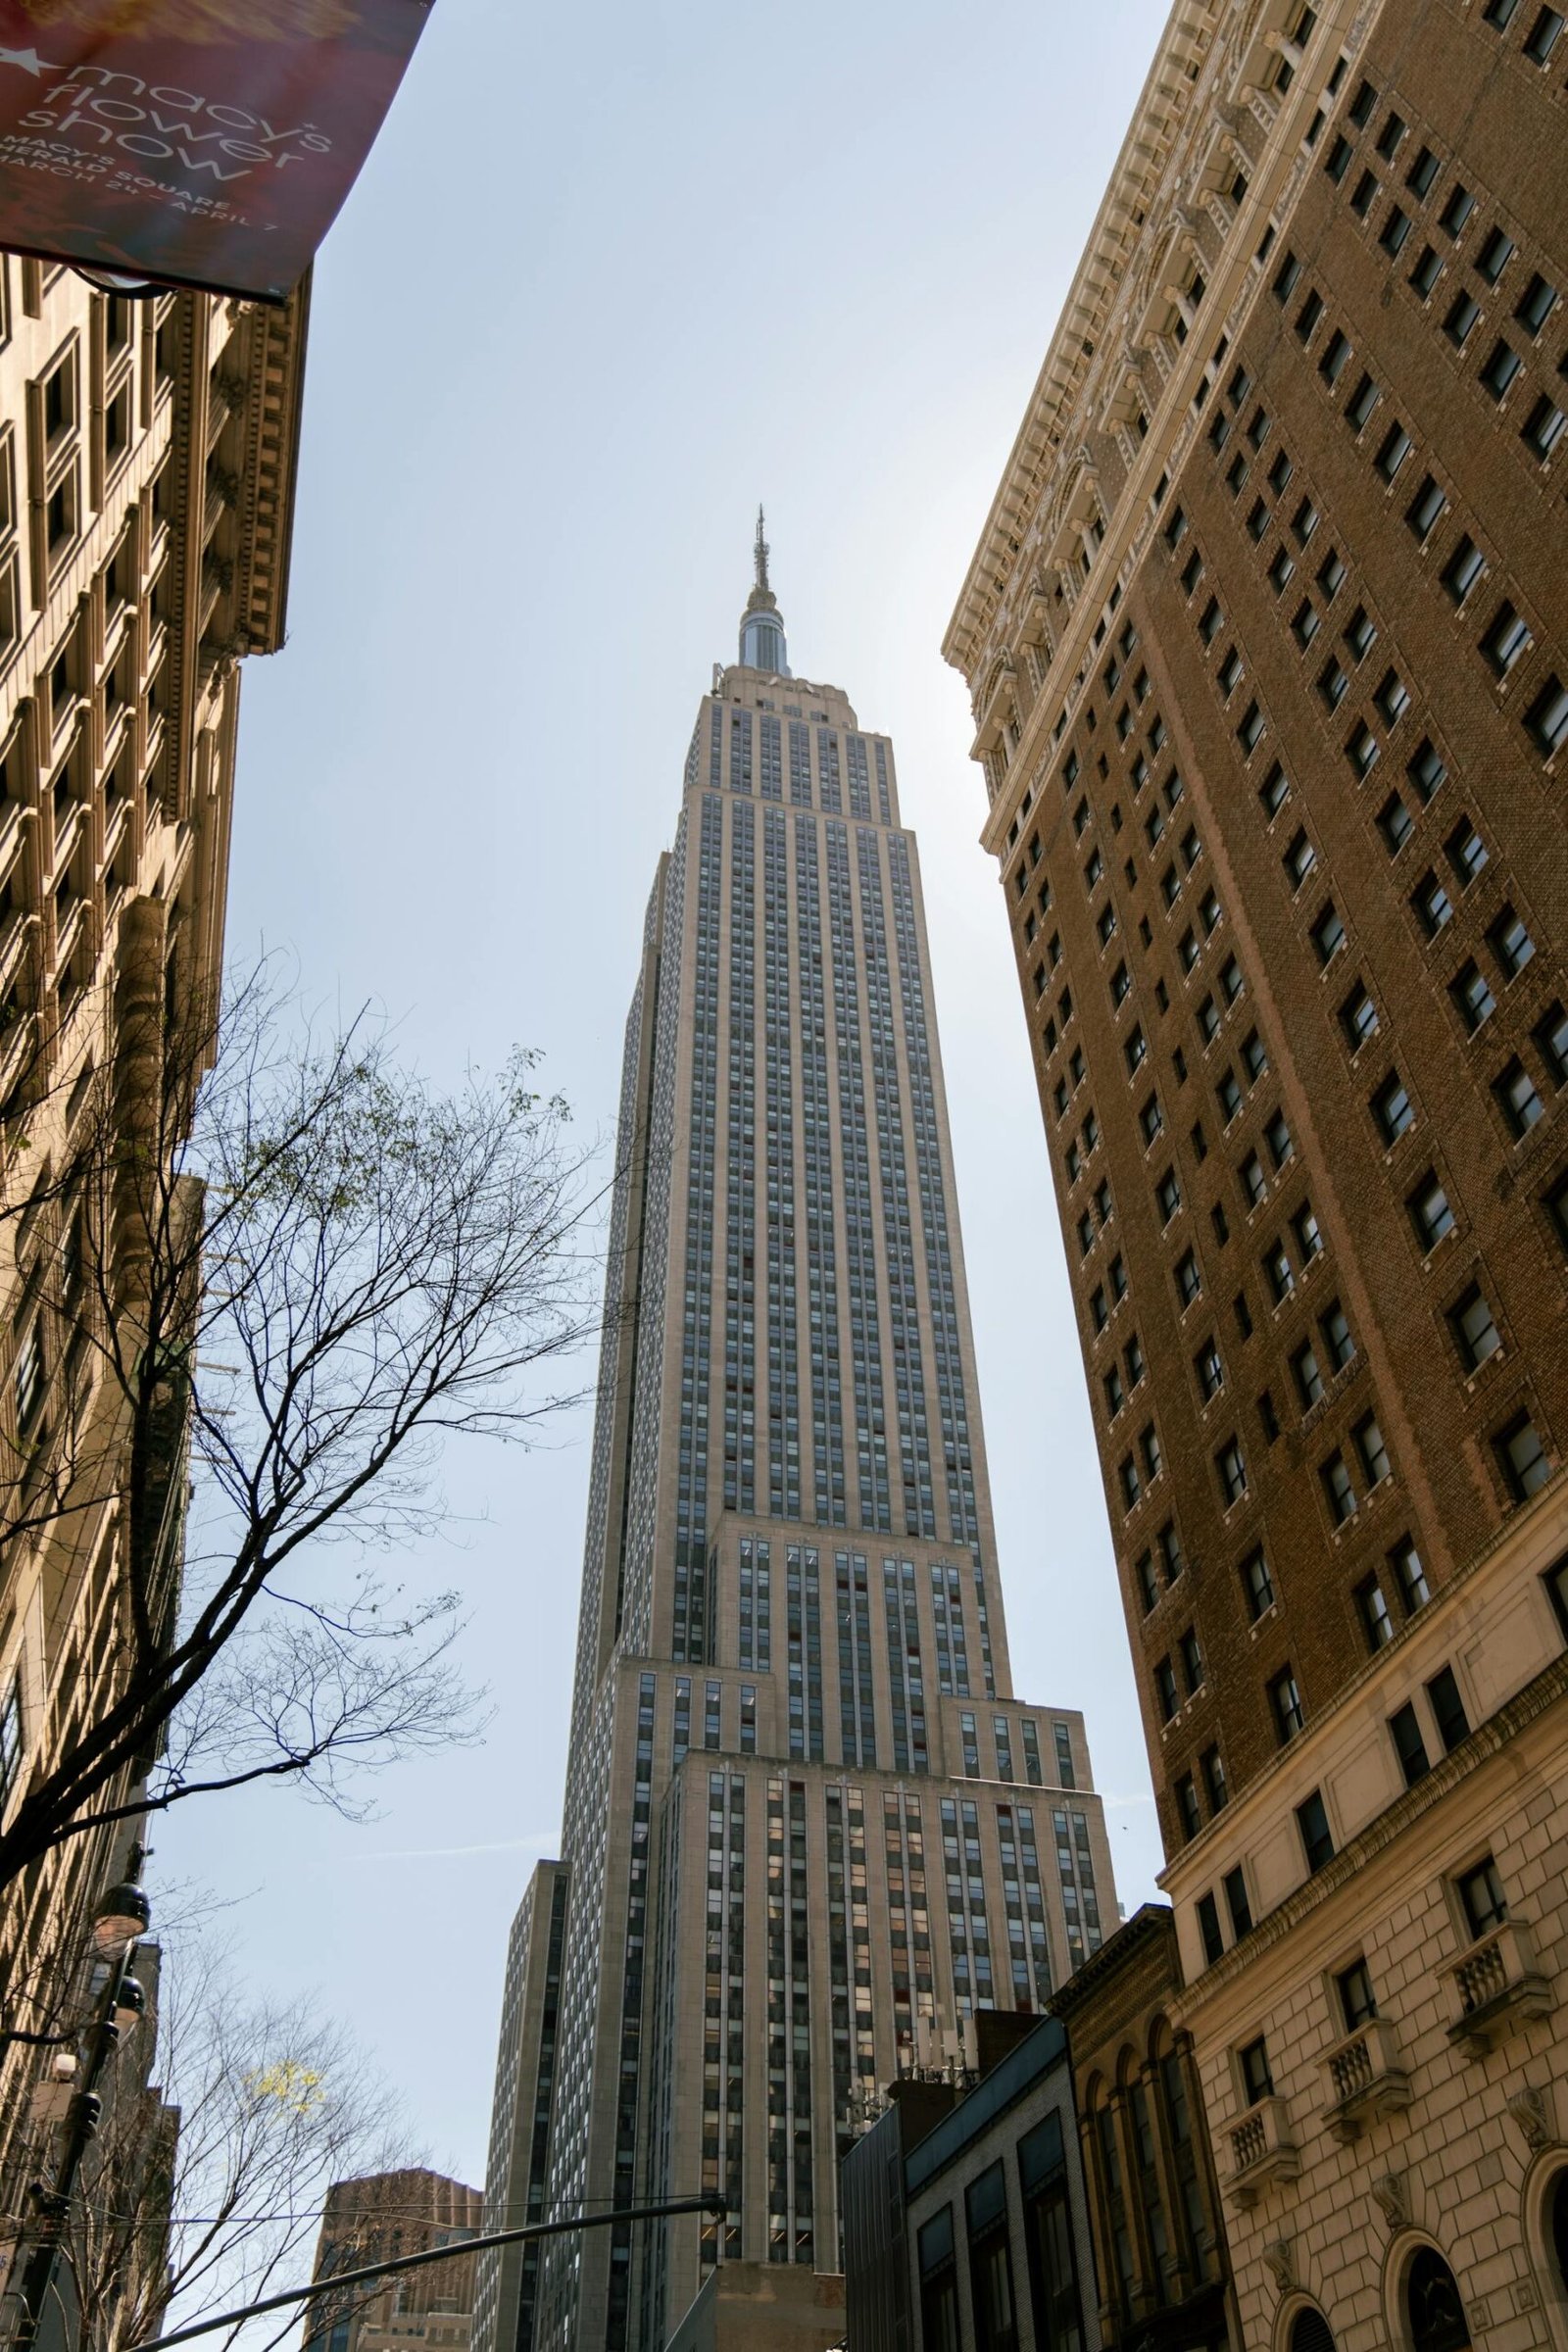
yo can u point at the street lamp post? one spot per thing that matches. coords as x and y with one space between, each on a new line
122 1916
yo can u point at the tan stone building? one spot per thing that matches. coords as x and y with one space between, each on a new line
808 1818
147 466
1154 2212
1266 639
379 2218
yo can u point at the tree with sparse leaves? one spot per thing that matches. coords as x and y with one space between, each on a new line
206 2191
284 1268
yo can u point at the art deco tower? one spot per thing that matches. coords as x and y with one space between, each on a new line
803 1809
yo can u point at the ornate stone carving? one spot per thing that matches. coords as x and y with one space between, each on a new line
1528 2107
1392 2200
1279 2257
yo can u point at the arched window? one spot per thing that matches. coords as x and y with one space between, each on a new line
1559 2227
1431 2301
1311 2332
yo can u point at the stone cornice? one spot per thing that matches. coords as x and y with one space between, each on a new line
277 388
1117 278
1146 1924
1119 225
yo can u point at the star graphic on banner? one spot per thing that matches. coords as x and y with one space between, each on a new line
27 60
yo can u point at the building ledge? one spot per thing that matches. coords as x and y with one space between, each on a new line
1367 2079
1263 2150
1499 1984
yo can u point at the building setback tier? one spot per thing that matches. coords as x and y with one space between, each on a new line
808 1823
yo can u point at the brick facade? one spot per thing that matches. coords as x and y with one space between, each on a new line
1266 639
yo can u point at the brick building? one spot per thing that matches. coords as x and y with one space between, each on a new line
381 2216
1265 637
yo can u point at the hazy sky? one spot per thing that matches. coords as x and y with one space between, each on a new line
616 273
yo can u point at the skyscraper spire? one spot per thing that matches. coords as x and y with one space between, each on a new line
762 645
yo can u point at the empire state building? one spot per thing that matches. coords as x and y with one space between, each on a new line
808 1821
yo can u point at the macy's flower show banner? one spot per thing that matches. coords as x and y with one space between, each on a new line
204 142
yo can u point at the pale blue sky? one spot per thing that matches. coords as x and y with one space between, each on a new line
614 274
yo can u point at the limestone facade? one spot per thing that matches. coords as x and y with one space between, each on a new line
148 451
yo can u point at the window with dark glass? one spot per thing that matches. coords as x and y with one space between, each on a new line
1481 1898
1404 1730
1317 1838
1357 2003
996 2317
1252 2065
1238 1902
938 2284
1049 2241
1447 1709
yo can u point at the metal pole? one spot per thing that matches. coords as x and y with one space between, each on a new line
323 2288
54 2204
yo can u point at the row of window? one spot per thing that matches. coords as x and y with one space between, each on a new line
1444 1712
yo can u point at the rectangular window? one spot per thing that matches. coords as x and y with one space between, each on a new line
1447 1709
1463 314
995 2324
1049 2239
1238 1902
1427 272
1257 1584
1543 428
1404 1730
1284 1701
1517 1099
1475 1334
13 1737
1358 2004
1410 1576
1373 1610
1544 36
1396 447
1535 305
1506 641
1361 403
1547 719
1339 1488
1395 230
1523 1458
1208 1928
1425 509
1481 1898
1317 1838
1430 1211
938 2284
1257 2080
1464 568
1391 1108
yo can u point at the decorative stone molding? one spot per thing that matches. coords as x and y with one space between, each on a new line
1279 2258
1529 2110
1263 2150
1497 1984
1367 2079
1392 2198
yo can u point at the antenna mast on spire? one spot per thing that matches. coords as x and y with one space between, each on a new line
761 552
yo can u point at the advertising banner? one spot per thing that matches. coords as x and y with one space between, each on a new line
206 143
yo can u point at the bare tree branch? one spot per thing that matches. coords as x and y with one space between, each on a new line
286 1269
